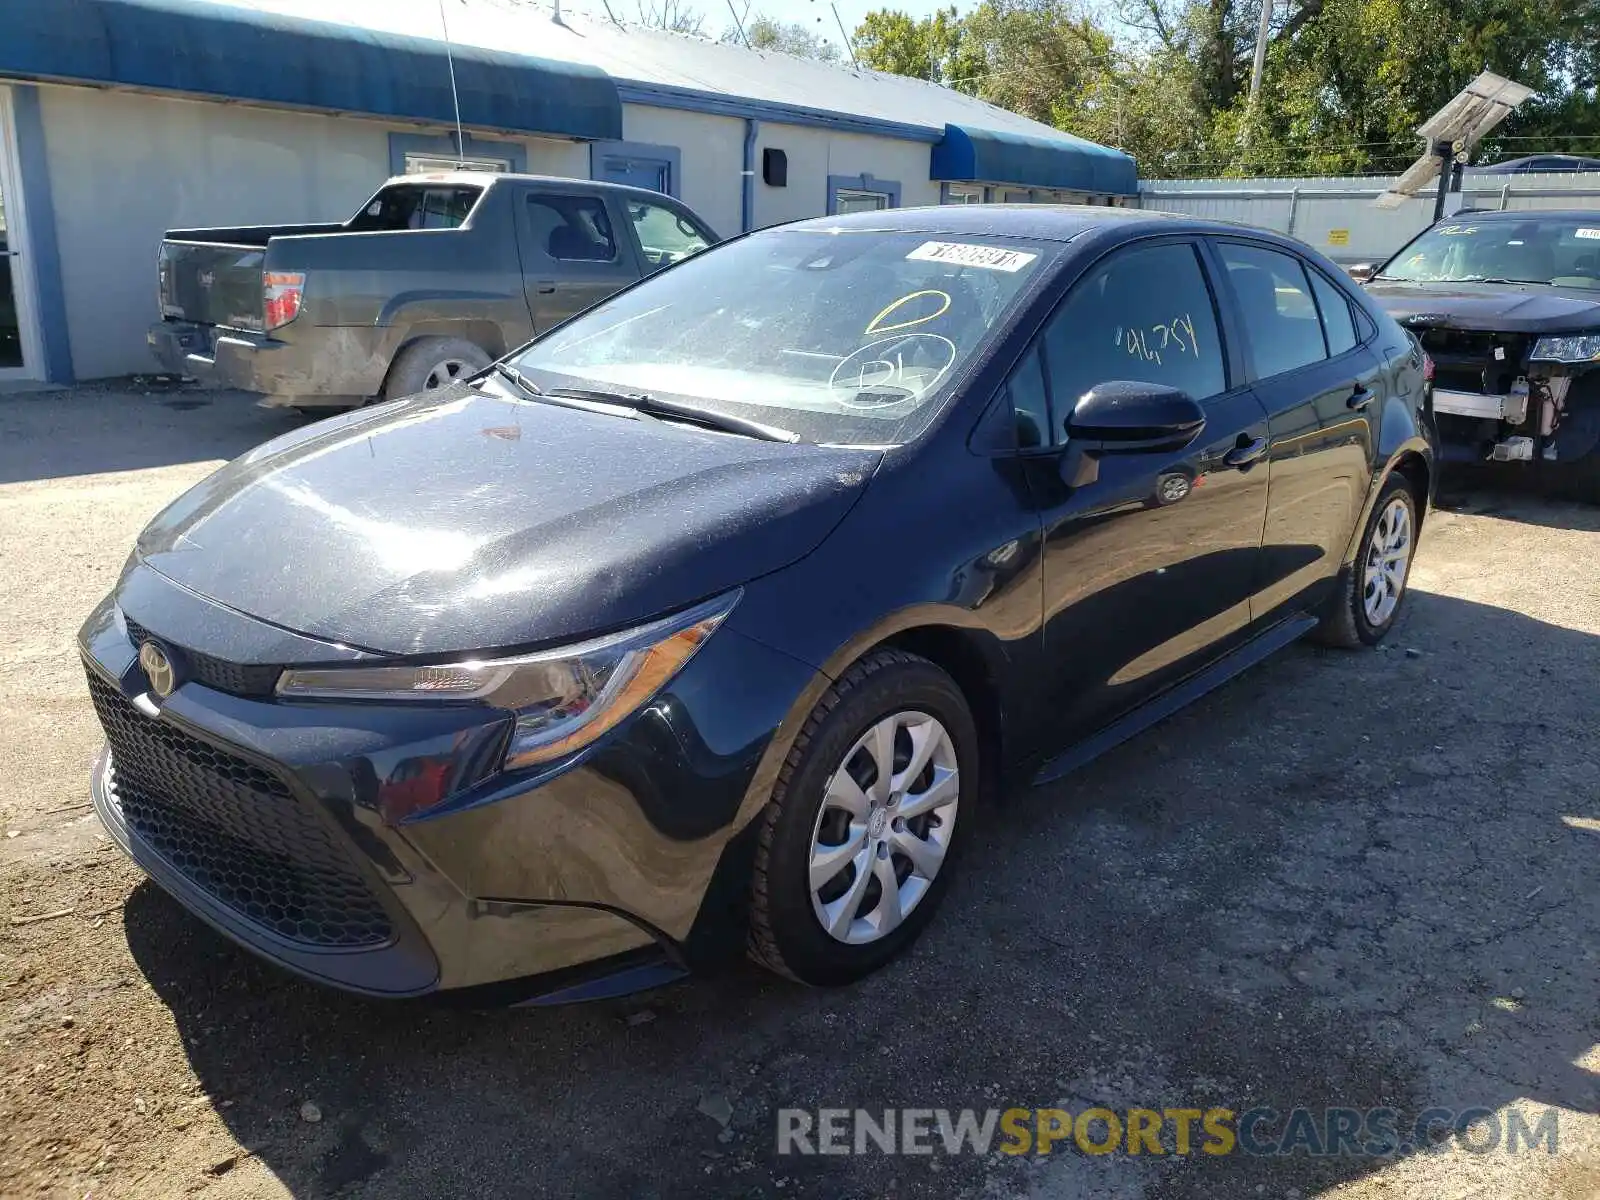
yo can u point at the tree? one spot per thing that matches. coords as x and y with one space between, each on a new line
896 43
791 37
671 15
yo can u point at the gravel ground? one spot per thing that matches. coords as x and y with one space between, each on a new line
1345 879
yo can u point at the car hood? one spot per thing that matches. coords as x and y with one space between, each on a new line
467 521
1496 308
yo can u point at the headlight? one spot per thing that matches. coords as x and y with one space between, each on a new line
1577 348
564 699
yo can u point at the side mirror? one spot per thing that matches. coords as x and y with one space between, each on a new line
1361 272
1124 417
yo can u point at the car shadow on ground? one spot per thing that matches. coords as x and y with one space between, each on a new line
1340 881
95 429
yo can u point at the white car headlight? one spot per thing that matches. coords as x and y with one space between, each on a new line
563 698
1568 348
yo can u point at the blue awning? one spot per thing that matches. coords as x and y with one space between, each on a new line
1059 161
202 49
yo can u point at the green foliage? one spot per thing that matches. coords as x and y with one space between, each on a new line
791 37
1346 82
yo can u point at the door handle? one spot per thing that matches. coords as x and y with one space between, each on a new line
545 287
1360 397
1246 452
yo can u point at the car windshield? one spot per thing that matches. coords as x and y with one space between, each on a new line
1561 251
841 337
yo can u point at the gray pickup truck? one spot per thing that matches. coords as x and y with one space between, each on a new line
435 277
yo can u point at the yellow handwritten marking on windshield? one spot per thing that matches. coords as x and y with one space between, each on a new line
873 325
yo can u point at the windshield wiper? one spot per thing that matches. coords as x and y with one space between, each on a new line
671 410
515 378
532 391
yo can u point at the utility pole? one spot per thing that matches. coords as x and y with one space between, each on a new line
1260 62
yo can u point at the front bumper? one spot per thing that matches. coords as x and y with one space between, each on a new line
377 848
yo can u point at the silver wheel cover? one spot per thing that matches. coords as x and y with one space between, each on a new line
1388 560
884 827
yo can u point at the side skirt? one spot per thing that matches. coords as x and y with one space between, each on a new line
1233 663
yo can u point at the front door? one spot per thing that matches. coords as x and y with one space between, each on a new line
575 252
18 340
1148 568
1321 389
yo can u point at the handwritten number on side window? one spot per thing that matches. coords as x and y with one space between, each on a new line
1177 336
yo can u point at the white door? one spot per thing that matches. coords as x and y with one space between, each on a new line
20 350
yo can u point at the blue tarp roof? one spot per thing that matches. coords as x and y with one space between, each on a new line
282 52
1062 161
243 54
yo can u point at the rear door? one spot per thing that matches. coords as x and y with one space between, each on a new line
1148 569
1321 388
575 251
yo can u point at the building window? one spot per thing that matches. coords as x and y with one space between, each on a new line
955 193
416 154
422 164
861 193
637 164
849 200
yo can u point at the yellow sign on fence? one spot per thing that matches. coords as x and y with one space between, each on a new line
1338 237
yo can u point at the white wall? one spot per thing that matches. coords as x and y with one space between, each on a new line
712 150
815 154
124 168
1335 214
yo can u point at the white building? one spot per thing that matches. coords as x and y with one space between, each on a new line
120 119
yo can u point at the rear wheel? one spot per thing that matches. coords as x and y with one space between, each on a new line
857 843
1367 602
433 362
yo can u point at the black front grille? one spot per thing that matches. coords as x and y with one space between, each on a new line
235 830
238 678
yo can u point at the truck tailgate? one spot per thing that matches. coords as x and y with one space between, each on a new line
212 283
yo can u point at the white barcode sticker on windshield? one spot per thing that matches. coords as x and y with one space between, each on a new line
1588 233
968 254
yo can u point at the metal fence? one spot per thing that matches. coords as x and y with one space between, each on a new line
1335 214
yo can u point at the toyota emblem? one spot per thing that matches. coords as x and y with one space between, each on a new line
158 669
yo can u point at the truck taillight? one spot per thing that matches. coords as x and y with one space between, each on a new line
1427 367
281 292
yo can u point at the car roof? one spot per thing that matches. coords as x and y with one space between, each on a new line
1045 222
485 178
1527 214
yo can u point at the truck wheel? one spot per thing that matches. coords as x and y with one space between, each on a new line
433 362
1366 599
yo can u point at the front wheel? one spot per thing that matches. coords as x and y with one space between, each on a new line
857 842
1367 603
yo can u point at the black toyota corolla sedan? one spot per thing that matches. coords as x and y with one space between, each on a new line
718 616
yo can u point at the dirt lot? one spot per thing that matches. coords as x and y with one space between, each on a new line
1346 879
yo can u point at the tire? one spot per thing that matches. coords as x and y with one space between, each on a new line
433 362
1357 614
787 933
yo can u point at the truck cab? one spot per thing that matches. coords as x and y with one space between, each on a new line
432 279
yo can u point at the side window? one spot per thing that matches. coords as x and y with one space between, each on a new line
1030 403
1275 304
571 228
1337 323
665 236
1145 315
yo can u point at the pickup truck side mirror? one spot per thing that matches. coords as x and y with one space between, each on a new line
1361 272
